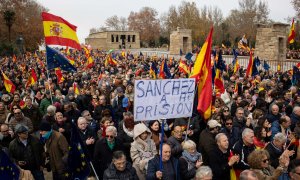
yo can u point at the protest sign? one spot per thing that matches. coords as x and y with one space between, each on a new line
164 98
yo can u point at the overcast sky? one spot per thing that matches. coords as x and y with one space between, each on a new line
86 14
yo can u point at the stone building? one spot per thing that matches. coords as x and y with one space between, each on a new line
181 39
114 40
271 41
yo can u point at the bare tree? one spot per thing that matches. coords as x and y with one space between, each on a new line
296 4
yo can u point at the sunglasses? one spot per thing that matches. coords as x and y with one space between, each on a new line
111 137
226 110
265 160
229 124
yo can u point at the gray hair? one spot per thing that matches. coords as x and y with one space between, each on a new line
296 108
80 119
203 171
218 136
111 129
84 112
51 109
188 144
246 173
280 137
246 131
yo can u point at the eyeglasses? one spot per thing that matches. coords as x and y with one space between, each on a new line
178 132
229 124
226 110
265 160
111 137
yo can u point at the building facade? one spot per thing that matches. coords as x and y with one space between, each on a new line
181 39
114 40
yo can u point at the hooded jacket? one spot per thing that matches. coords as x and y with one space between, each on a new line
142 151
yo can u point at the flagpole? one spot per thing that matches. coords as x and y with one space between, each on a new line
187 129
91 164
161 144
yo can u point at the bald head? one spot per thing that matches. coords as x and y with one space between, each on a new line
296 110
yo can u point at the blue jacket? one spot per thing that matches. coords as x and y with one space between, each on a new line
153 166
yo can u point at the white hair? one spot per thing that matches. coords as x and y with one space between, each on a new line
111 129
280 137
218 136
188 144
203 171
51 109
246 131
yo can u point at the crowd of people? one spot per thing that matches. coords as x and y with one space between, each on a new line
253 132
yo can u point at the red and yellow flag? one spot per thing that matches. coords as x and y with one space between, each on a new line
90 60
32 78
58 31
203 73
76 90
219 85
110 60
236 66
292 34
9 86
183 67
250 66
59 75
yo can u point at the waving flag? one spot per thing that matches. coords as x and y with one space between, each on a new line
59 75
9 86
183 67
32 78
76 90
164 71
153 70
58 31
243 43
266 66
203 74
9 170
78 160
292 33
250 66
57 59
90 60
235 61
110 61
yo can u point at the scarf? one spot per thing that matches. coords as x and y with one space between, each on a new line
191 157
111 145
129 133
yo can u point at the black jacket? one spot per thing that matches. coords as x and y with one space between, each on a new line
243 151
274 153
32 154
185 173
206 144
176 148
111 173
233 135
34 115
218 161
103 155
153 166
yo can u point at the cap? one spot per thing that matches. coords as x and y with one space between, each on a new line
20 128
213 123
119 89
45 126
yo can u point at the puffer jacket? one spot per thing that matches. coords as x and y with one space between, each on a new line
142 151
111 173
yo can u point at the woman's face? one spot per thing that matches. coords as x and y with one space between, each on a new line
129 88
267 124
191 150
155 126
226 111
106 123
263 133
144 135
265 162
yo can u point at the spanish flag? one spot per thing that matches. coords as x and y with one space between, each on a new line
153 70
58 31
250 66
183 67
76 90
202 72
292 34
32 78
110 60
59 75
9 86
90 60
219 85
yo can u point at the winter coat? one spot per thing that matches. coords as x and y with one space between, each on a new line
274 153
45 103
176 148
273 173
3 115
103 155
126 140
206 144
295 119
153 167
34 115
142 151
57 149
218 161
243 151
32 153
233 135
111 173
25 121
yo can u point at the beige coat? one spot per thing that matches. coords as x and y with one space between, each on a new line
142 151
275 173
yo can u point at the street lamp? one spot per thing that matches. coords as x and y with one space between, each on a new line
20 43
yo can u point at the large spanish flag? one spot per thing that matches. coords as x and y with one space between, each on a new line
203 73
292 34
58 31
9 86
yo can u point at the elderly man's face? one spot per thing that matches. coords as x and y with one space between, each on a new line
120 163
239 114
166 153
275 109
110 136
82 124
18 114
